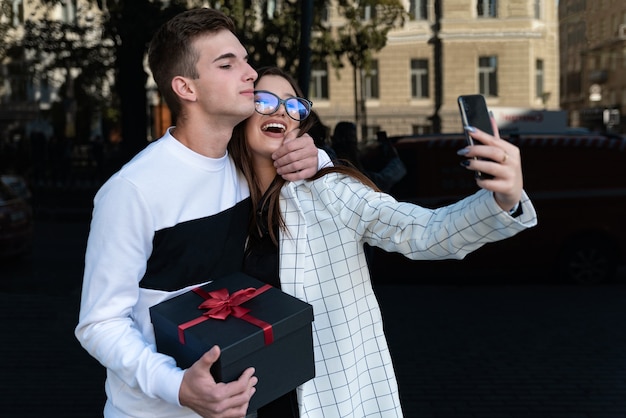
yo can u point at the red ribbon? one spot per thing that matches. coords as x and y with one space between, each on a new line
220 305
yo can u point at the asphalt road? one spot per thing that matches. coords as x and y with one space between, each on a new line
461 349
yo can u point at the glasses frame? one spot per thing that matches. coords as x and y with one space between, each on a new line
283 102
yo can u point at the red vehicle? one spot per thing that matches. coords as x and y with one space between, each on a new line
576 182
16 224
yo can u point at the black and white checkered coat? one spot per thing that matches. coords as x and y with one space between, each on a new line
322 261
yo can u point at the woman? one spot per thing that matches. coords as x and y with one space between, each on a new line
307 237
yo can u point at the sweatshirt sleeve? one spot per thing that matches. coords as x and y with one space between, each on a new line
113 325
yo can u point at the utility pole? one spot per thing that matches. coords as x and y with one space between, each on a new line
435 41
306 23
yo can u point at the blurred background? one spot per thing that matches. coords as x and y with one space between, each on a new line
77 101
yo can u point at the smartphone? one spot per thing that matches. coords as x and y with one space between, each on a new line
474 112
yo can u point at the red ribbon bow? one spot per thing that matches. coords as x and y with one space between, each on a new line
221 304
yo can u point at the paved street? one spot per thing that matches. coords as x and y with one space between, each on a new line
461 350
509 351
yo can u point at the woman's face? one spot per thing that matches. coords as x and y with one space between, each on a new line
265 133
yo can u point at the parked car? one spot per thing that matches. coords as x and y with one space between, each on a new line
18 184
577 183
16 224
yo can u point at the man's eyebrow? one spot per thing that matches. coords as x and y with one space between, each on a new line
229 55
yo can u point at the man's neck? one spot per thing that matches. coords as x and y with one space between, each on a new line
211 143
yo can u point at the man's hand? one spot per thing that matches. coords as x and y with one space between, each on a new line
297 157
200 392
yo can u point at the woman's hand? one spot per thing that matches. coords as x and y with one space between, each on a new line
498 158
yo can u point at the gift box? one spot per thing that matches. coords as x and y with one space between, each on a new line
254 324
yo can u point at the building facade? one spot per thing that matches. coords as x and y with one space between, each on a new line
27 90
506 50
593 63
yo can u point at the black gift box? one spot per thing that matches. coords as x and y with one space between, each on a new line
277 342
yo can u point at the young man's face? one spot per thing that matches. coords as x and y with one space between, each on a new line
225 86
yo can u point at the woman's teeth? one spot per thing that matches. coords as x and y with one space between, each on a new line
274 127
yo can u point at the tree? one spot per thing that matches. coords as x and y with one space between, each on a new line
117 45
271 35
122 42
105 55
75 50
368 23
278 33
131 24
5 25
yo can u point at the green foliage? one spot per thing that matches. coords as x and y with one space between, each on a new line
362 35
113 50
271 35
57 45
277 40
5 25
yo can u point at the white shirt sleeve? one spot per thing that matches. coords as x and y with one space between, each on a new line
114 326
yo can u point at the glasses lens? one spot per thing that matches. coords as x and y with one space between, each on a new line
265 103
297 108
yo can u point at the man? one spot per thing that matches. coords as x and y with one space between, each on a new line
173 218
346 147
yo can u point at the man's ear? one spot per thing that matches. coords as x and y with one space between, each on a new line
184 88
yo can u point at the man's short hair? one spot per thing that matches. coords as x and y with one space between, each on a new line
171 51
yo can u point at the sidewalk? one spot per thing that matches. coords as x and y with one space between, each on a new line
492 351
508 351
480 351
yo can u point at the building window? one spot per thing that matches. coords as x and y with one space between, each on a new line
371 132
419 78
69 11
488 76
45 90
418 9
370 81
614 58
605 59
368 12
539 78
271 9
603 29
318 89
17 13
17 74
325 15
486 8
421 129
537 9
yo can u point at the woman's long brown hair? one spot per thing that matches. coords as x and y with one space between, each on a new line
240 152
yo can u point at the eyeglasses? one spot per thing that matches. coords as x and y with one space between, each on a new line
267 103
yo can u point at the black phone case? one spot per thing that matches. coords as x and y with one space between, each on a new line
474 112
